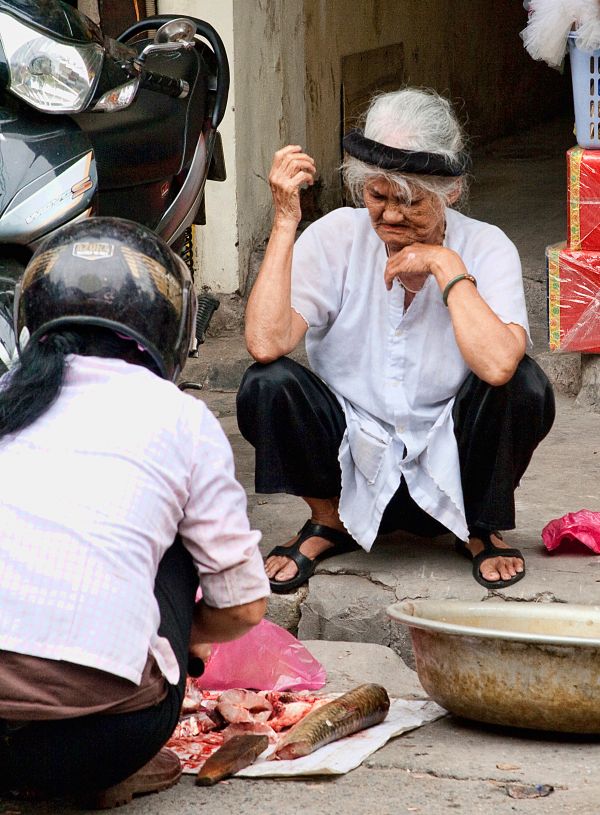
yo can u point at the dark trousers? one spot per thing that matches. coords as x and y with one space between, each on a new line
296 424
97 751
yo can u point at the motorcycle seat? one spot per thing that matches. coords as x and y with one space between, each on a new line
155 137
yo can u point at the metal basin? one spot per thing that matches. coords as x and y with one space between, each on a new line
520 664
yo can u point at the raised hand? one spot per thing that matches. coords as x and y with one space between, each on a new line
291 169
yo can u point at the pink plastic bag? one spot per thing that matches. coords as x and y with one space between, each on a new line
266 658
581 527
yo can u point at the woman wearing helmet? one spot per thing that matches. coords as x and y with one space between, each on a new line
117 497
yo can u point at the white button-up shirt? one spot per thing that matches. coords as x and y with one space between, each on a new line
91 497
395 371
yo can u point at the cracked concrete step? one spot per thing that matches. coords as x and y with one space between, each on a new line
349 664
222 361
364 791
347 597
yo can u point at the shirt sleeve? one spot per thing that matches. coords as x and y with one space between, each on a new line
215 527
500 277
319 266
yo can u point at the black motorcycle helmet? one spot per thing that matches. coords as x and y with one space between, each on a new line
115 274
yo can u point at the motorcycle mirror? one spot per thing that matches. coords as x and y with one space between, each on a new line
179 30
162 47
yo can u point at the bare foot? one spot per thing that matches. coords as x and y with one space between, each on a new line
323 511
496 568
281 568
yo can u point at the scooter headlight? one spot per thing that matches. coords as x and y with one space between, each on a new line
48 74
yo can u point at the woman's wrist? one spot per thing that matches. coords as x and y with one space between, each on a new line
447 266
285 224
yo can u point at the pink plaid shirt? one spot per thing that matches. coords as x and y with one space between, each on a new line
92 495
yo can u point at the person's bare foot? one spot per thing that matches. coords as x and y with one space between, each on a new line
496 568
281 568
323 511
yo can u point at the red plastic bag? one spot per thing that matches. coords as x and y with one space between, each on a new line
581 527
266 658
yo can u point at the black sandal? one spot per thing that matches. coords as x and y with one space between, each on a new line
342 543
489 550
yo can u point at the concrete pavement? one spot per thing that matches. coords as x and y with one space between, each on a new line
450 765
347 597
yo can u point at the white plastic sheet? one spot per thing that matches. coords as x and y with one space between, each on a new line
344 755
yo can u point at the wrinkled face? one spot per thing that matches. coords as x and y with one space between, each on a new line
399 224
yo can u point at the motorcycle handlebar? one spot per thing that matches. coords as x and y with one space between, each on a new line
205 30
164 84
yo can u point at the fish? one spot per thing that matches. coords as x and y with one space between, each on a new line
234 755
356 710
290 714
243 728
191 726
248 699
237 706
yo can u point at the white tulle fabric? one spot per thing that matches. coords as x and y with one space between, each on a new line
550 23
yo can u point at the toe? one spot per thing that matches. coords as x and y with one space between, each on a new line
280 568
287 572
488 572
501 568
271 566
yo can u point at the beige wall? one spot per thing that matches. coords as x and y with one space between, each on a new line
265 44
270 110
470 50
290 60
89 7
217 259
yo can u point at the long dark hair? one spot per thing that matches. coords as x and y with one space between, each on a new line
35 383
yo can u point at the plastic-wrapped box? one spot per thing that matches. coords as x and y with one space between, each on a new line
583 199
573 299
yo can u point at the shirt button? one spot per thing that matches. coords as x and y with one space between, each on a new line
399 428
398 332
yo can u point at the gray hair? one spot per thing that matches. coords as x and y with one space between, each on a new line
411 119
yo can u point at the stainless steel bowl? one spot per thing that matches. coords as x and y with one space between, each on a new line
519 664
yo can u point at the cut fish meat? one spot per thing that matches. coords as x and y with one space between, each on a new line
219 716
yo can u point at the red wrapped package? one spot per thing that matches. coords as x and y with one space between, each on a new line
583 199
573 299
582 527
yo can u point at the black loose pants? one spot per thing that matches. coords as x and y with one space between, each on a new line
296 424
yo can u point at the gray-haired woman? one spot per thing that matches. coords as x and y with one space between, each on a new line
422 410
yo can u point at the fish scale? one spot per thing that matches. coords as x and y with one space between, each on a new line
356 710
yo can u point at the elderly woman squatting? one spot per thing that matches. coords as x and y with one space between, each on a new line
424 411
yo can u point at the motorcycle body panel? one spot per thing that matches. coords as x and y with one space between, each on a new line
54 18
154 138
144 148
147 162
48 173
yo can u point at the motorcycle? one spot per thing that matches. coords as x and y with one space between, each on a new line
91 125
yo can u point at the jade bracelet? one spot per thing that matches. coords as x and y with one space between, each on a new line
457 279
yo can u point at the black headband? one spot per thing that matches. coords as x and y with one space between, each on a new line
406 161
